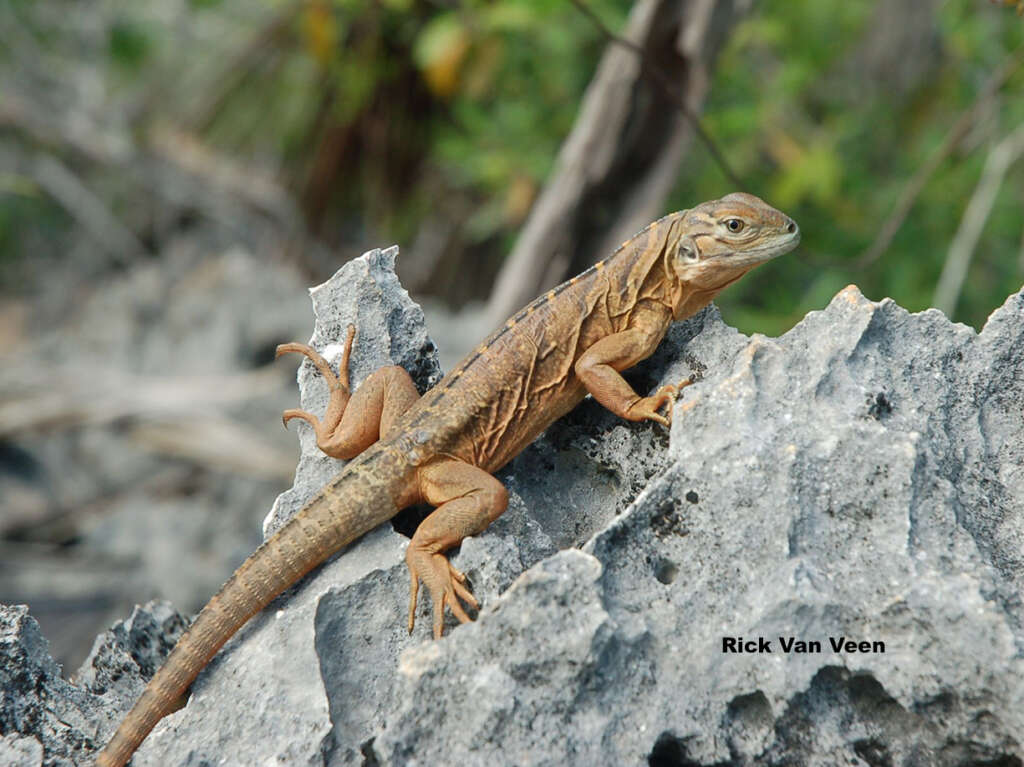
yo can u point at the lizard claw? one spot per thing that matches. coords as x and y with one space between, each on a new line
670 392
334 382
337 386
309 418
646 408
445 584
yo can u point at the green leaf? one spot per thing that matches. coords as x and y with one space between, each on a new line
128 43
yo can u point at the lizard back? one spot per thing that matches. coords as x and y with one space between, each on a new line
521 379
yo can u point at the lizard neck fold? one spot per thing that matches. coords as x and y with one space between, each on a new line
641 271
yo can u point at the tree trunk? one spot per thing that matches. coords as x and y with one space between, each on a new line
622 157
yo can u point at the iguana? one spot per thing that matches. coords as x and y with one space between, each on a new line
444 447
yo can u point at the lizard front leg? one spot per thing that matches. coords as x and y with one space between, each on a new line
468 499
598 369
666 395
354 421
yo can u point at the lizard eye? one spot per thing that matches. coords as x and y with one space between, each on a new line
734 225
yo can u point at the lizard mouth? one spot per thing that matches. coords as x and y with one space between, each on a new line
725 267
777 246
752 255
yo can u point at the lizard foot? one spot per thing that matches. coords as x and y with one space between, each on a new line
445 584
646 408
337 385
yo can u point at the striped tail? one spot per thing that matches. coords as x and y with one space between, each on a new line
329 522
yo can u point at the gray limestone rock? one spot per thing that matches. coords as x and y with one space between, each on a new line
40 713
390 330
127 655
18 751
857 480
46 720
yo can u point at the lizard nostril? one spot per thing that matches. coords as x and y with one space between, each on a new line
791 227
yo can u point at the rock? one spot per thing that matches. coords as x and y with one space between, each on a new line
858 478
856 481
126 656
389 331
40 713
47 720
16 751
339 627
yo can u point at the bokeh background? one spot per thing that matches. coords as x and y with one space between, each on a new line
175 173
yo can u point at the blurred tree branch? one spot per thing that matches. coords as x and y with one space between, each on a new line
160 411
919 180
621 158
654 71
48 130
961 250
87 208
248 183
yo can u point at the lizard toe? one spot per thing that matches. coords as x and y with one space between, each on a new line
446 585
309 418
414 592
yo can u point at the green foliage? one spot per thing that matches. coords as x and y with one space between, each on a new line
397 105
129 43
521 69
795 116
807 129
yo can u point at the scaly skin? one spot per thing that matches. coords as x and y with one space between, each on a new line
443 448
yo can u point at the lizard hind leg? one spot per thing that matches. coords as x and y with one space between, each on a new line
468 499
354 420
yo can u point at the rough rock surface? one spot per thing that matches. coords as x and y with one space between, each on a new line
46 720
389 331
860 477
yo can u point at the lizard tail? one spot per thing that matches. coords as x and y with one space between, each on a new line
329 522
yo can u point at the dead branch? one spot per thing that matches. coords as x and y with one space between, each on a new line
40 518
256 188
961 251
34 400
212 441
62 133
622 156
920 179
87 208
181 417
667 85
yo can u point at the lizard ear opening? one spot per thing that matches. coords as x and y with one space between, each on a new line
687 251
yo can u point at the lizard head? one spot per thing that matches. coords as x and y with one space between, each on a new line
719 241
